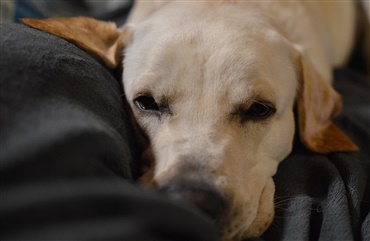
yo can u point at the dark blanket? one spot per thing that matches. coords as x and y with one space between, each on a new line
327 197
66 150
67 155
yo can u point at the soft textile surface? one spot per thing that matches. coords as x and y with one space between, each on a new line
66 149
328 197
12 11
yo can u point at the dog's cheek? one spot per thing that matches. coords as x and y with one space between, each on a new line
147 179
265 214
147 168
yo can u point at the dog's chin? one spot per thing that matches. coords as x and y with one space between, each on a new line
238 220
238 224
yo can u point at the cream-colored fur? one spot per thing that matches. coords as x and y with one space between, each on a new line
209 57
212 86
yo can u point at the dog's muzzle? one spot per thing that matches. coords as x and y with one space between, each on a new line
198 193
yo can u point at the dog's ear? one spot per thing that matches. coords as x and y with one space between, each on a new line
101 39
318 105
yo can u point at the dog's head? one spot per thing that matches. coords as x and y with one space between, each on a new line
215 98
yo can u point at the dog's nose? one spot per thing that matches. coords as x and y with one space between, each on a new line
203 196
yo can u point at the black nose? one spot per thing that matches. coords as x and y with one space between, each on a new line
200 194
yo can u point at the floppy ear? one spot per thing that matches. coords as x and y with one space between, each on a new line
101 39
318 105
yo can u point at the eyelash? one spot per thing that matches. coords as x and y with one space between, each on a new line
146 103
258 111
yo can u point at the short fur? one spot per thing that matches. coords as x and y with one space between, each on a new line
205 63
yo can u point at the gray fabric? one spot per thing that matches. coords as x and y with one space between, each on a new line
67 148
12 11
327 197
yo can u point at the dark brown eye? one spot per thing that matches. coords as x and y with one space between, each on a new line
146 103
260 111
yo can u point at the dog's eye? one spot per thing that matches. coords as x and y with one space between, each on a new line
260 111
146 103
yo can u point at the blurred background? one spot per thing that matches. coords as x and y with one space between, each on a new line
114 10
118 10
110 10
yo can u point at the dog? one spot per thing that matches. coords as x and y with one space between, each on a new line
213 87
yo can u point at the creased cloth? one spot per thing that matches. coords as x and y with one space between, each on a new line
67 151
67 156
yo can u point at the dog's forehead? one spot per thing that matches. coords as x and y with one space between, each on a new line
208 59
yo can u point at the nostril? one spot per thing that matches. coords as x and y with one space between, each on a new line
202 196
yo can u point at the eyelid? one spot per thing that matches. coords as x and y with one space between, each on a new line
263 102
260 116
143 93
241 110
162 103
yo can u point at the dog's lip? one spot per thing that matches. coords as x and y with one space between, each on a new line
201 200
207 200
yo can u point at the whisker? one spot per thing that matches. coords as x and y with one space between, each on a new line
282 197
283 201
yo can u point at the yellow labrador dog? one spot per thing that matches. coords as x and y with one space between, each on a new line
213 86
